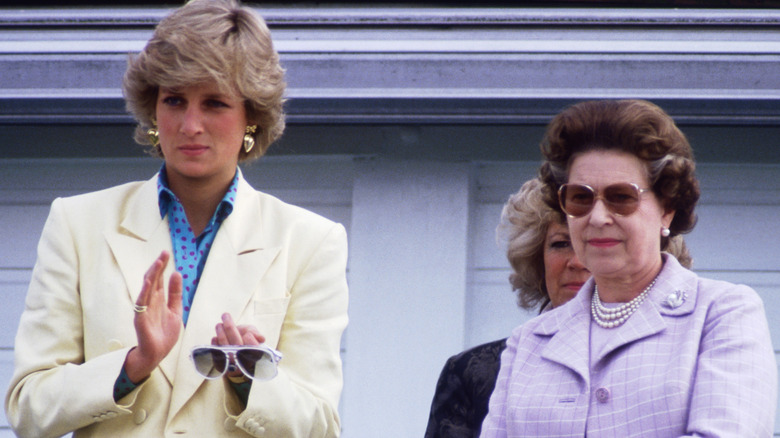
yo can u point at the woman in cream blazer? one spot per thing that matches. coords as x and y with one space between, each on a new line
272 265
114 308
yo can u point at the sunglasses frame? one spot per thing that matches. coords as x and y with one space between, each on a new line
600 195
231 352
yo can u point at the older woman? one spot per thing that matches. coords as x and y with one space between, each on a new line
646 348
103 349
546 274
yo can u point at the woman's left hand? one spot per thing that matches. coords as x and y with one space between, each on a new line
228 333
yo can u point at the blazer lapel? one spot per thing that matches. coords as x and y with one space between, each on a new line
225 285
673 281
569 328
644 322
141 237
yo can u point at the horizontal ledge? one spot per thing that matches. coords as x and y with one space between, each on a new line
737 109
410 16
85 95
415 46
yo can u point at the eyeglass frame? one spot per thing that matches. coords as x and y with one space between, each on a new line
231 351
599 195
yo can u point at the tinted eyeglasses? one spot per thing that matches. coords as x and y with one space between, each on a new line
622 199
255 361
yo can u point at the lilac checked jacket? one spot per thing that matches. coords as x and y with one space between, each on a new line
703 368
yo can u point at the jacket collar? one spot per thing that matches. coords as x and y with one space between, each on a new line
568 327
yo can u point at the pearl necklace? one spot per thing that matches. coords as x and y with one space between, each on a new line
610 317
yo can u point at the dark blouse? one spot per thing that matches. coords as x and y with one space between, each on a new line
463 392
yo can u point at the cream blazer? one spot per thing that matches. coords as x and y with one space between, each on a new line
273 265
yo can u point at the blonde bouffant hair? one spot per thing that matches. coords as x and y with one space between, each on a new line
525 219
204 41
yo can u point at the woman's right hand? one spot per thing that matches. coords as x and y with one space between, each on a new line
157 327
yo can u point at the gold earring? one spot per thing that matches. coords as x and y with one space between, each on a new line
249 139
153 134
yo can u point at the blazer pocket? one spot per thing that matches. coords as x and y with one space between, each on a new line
269 316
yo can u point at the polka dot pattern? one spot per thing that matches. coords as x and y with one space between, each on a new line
189 251
123 385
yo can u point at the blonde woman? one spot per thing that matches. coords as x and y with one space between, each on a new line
130 280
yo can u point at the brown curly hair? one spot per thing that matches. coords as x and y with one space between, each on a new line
522 229
210 40
634 126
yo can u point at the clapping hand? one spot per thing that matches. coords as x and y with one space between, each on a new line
157 323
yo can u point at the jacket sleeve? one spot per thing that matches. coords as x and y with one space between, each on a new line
53 391
447 417
735 384
302 400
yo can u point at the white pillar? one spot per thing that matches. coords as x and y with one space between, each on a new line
408 259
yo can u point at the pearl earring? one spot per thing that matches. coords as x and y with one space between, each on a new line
665 232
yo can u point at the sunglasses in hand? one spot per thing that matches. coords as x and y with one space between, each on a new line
257 362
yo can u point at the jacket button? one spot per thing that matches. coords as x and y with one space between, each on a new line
230 425
602 395
140 416
114 345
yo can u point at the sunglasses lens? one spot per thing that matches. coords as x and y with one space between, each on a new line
622 199
210 362
576 200
258 363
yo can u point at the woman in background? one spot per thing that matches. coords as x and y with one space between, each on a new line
102 348
647 348
546 273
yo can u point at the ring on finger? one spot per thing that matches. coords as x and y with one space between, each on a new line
139 309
